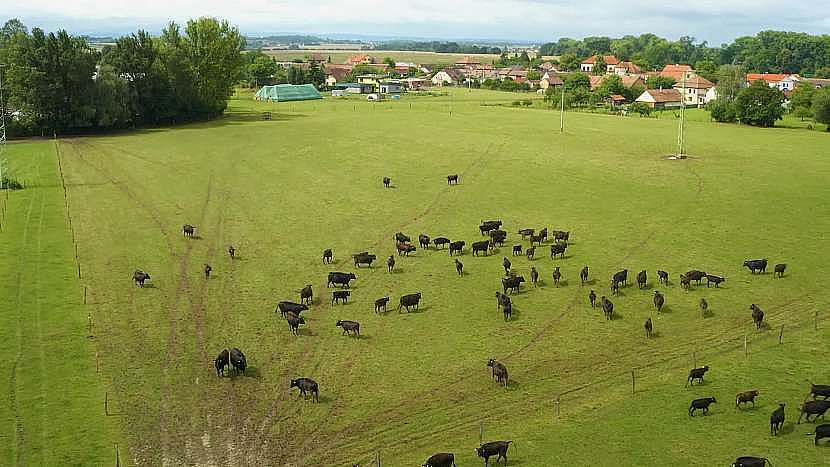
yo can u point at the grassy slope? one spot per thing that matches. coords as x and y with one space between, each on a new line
283 190
53 412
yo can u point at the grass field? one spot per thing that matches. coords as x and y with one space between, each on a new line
340 56
414 384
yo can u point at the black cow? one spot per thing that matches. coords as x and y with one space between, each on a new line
232 251
822 390
139 277
506 264
659 300
457 246
615 288
327 256
364 258
779 270
493 448
294 323
685 283
749 461
536 239
817 408
498 236
340 296
696 374
306 386
221 361
452 179
776 420
238 360
512 283
442 459
405 248
517 250
341 278
822 431
530 252
188 230
559 235
390 263
386 181
746 396
290 307
503 300
704 305
507 310
306 294
592 296
759 265
701 404
642 279
381 303
534 276
440 241
695 275
459 268
349 327
757 316
648 327
483 245
401 238
711 279
583 276
558 249
410 300
423 240
662 277
207 270
526 233
557 276
607 308
487 226
499 371
544 234
620 277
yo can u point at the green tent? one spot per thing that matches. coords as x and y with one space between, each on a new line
288 92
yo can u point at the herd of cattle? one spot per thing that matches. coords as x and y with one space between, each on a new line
511 283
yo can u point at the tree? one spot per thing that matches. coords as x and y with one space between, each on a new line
823 72
801 101
316 76
261 71
390 63
534 75
721 110
569 62
660 82
599 65
296 75
821 106
759 105
359 70
641 108
731 80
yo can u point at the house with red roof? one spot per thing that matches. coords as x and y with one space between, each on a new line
784 82
676 71
587 65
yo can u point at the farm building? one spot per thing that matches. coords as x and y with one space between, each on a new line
288 92
390 86
353 88
661 98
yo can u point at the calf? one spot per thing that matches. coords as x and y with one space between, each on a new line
410 301
822 390
238 361
306 386
648 327
759 265
711 279
685 282
390 263
290 307
822 431
386 181
349 327
482 246
456 246
443 459
232 251
607 308
662 277
207 270
499 371
696 374
749 461
452 179
405 249
534 276
340 296
363 258
592 297
459 268
401 238
779 270
294 323
440 241
659 300
757 316
746 396
139 277
517 250
583 276
381 303
506 264
493 448
776 420
306 294
558 249
512 283
642 279
615 288
701 404
221 361
530 252
423 240
816 408
507 309
557 276
188 230
327 256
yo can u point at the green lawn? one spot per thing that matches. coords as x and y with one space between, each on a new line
283 190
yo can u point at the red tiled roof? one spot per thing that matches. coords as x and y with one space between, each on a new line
768 77
694 82
664 95
675 71
608 59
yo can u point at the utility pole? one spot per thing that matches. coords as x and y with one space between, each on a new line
680 136
562 111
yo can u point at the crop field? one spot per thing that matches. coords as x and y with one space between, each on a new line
414 384
340 56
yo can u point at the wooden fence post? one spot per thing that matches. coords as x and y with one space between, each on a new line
557 405
633 387
107 403
781 334
117 457
746 346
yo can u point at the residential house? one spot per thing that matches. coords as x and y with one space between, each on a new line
414 84
404 68
316 58
627 68
711 94
449 76
587 65
547 66
391 86
337 74
661 98
550 79
627 81
360 59
372 80
467 62
676 71
694 89
784 82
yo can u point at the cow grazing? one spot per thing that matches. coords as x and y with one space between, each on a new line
503 300
410 301
695 275
386 181
405 249
188 230
615 288
290 307
459 267
401 238
558 249
544 234
340 278
221 361
536 239
483 245
816 408
517 250
306 295
534 276
363 258
561 236
139 277
621 277
457 246
607 308
440 241
757 316
583 276
749 461
779 270
662 277
712 279
557 276
592 297
822 390
685 282
704 306
423 240
340 296
499 371
238 361
648 327
526 233
745 397
307 387
487 226
493 448
530 252
506 264
507 310
207 270
498 237
452 179
327 256
759 265
642 279
822 431
659 301
294 323
776 420
390 263
232 251
352 327
701 404
696 374
512 283
381 304
442 459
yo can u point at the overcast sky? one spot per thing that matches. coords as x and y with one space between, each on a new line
716 21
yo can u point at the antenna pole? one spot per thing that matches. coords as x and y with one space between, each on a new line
562 111
680 148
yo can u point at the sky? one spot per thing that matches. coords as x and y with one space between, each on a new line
716 21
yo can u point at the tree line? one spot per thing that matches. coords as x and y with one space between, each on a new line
58 82
439 47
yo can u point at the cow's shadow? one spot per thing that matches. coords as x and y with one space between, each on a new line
654 334
665 309
149 285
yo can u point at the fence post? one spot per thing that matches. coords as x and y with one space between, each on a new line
746 346
84 295
781 334
633 387
107 403
117 457
557 405
377 458
89 324
481 433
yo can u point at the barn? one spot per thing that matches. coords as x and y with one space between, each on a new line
288 92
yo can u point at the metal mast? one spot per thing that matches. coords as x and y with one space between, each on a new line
680 136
